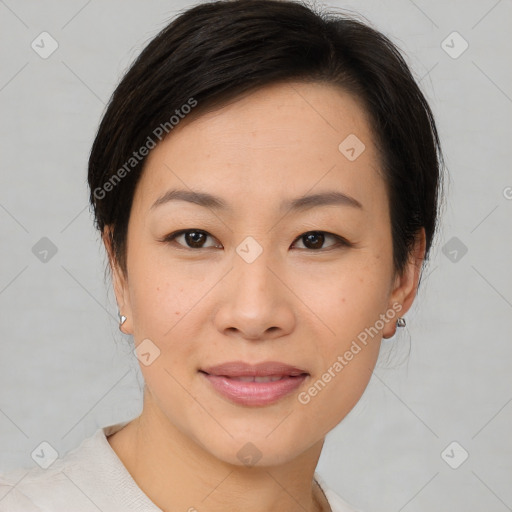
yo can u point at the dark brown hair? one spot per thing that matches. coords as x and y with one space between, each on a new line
214 52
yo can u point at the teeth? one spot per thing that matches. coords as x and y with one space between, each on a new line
271 378
268 379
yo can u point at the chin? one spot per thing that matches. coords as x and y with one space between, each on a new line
258 448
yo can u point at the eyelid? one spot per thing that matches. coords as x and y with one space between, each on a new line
171 237
341 241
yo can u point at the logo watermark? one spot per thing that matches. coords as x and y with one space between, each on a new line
343 360
137 156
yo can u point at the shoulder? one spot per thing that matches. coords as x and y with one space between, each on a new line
88 478
17 488
37 489
336 502
68 480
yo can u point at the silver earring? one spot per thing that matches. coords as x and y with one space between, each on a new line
400 322
122 319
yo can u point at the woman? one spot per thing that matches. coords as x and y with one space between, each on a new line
266 181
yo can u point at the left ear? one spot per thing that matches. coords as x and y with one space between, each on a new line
406 284
119 281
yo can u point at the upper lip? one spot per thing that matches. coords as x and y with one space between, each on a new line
242 369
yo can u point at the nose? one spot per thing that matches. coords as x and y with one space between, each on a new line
255 304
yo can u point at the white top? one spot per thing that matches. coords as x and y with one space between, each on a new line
90 478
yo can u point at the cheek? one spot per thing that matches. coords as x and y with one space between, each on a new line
169 308
161 294
164 309
350 297
351 307
333 394
157 303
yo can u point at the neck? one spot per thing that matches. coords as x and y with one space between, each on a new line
178 474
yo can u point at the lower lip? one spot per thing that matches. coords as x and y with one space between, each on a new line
254 393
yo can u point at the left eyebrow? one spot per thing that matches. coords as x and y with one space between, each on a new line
298 204
321 199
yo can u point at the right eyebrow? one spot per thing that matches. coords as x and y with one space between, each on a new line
301 203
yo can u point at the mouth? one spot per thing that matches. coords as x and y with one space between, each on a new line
271 378
254 385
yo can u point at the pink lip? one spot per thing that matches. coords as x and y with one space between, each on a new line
222 378
241 369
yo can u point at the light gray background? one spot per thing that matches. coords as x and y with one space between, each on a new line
65 370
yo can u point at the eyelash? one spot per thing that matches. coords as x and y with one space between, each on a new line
341 242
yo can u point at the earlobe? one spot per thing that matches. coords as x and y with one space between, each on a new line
399 322
122 320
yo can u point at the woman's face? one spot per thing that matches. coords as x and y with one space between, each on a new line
250 282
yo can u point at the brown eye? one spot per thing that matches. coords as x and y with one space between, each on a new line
192 238
195 239
314 240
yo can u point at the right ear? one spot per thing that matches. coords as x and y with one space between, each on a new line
119 282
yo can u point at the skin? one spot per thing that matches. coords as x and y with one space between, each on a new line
294 303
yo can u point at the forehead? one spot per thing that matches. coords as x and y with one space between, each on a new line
282 140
